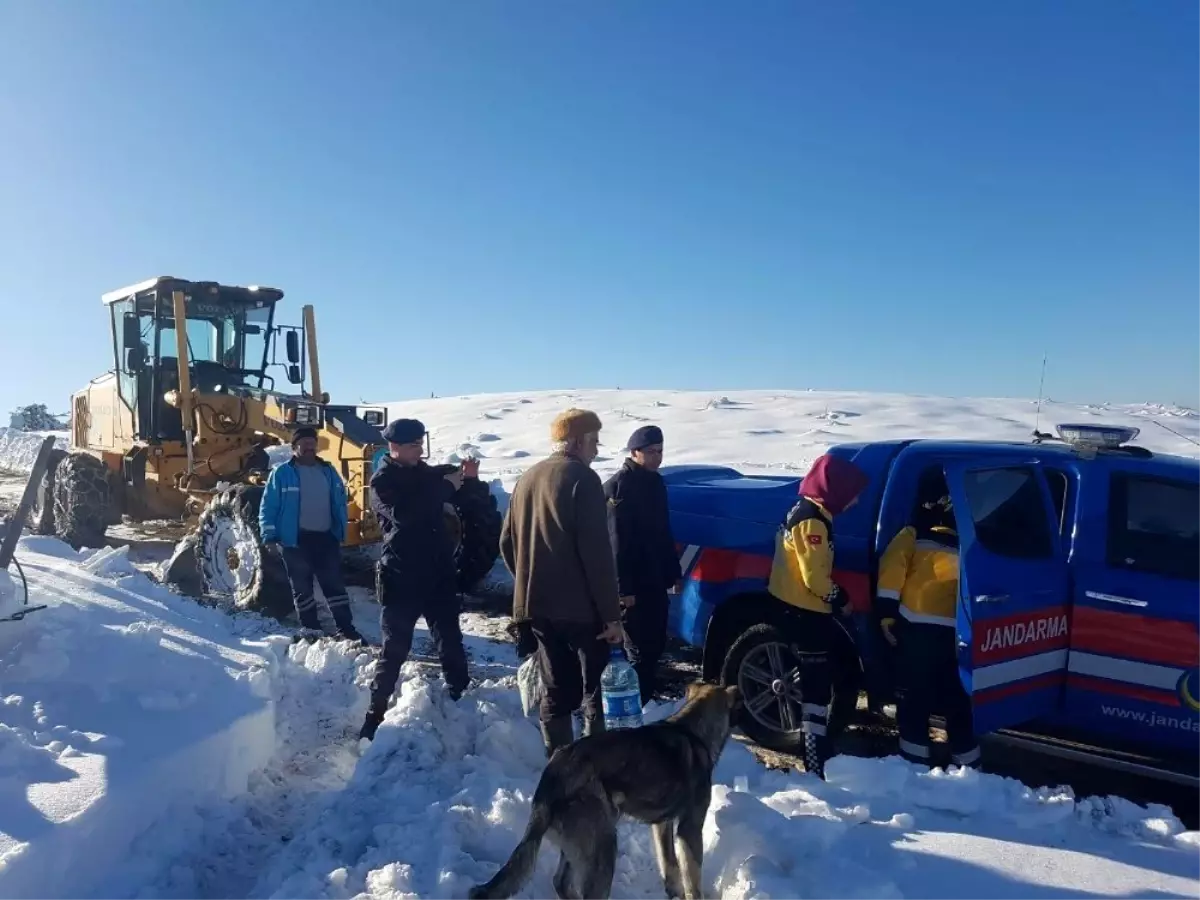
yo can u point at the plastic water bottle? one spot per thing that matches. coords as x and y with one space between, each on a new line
620 693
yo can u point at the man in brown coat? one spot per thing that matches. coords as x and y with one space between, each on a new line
555 543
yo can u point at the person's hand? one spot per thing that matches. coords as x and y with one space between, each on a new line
886 626
613 633
470 468
677 587
627 601
455 478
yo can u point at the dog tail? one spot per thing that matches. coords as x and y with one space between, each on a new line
514 873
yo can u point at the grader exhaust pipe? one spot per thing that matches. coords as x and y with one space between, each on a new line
185 378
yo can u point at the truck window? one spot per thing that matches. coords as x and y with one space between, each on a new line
1154 526
1009 513
1060 489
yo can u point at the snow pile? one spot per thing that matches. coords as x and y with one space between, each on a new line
18 449
121 706
442 796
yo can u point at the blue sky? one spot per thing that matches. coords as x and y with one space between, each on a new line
487 196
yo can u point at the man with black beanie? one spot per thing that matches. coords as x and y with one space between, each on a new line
416 574
303 513
639 528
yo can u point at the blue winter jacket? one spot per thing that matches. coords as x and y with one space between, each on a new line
279 514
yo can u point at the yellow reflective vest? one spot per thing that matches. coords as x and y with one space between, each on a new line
802 570
918 577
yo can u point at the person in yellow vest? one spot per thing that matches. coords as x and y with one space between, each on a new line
916 603
802 577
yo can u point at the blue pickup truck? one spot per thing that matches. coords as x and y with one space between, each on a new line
1079 604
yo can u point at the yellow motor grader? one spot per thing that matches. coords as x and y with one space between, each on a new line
182 428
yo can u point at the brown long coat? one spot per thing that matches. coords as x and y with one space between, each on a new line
555 543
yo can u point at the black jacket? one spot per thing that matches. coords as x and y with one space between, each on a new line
408 500
639 528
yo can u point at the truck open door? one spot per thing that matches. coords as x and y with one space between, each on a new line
1013 591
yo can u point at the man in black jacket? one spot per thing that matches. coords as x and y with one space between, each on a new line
639 528
415 576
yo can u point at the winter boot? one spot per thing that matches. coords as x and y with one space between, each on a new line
557 733
343 619
370 725
814 755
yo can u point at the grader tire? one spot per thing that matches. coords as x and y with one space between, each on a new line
236 571
479 545
41 514
81 500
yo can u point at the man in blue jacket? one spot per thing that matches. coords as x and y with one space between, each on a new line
639 528
303 515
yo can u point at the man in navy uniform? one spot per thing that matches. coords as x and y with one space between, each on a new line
416 574
639 527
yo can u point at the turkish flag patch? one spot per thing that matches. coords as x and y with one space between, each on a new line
815 540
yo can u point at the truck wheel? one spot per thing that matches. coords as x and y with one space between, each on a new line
235 570
41 514
81 500
761 663
479 546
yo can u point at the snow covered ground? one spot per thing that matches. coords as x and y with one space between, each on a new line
152 747
18 449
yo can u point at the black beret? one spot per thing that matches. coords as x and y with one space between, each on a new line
404 431
644 437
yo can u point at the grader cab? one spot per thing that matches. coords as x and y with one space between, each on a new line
182 429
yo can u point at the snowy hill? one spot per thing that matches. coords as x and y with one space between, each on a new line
759 432
150 746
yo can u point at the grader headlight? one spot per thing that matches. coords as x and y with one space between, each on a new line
307 415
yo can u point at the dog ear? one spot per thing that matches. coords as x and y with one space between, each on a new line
735 697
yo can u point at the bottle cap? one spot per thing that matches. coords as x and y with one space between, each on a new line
616 651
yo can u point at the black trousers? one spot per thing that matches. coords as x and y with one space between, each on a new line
929 682
317 555
401 607
830 679
571 660
646 637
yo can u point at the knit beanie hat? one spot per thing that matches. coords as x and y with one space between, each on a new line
573 424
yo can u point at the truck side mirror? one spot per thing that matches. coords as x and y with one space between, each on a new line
293 350
131 331
134 357
294 374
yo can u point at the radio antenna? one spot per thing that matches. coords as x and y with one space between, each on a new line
1041 385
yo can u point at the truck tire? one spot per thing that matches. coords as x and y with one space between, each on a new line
236 571
759 662
81 500
41 514
479 546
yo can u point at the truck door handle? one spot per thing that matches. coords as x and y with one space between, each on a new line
1113 598
991 598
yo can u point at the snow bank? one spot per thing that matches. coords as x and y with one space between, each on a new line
18 449
441 797
121 706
